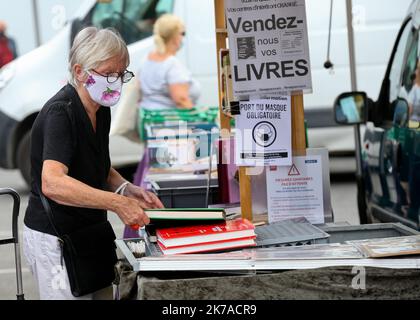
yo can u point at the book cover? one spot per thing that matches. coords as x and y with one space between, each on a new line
389 247
172 223
209 247
232 229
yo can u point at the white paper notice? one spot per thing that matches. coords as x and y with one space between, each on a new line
296 191
269 50
263 132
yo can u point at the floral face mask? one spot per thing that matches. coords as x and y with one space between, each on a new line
101 91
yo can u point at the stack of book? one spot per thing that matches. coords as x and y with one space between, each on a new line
168 218
233 234
180 231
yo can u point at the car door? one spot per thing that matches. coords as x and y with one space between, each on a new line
390 147
397 142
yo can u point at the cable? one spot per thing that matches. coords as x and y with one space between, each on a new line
328 64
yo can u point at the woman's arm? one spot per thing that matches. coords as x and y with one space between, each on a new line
114 180
179 93
65 190
146 199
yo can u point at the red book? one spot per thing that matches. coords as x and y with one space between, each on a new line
200 234
210 246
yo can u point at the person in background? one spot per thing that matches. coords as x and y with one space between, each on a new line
165 82
8 51
70 160
414 96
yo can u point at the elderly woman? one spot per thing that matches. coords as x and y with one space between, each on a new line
73 183
165 82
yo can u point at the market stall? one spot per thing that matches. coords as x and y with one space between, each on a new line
288 246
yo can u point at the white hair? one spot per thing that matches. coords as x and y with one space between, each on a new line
167 26
92 46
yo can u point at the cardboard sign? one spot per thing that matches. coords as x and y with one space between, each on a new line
263 132
269 48
296 190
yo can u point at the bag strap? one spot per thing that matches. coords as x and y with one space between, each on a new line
49 213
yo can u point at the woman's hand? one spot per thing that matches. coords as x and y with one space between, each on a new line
146 199
130 212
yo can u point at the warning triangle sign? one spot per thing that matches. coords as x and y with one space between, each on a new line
294 171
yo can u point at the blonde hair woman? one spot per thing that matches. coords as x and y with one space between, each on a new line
165 81
73 183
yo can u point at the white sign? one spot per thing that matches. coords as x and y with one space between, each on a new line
296 191
263 132
269 50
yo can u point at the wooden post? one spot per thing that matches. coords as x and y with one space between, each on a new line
298 126
245 193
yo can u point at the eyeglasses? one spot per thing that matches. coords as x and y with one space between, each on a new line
125 76
183 33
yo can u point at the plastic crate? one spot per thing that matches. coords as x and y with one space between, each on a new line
186 193
172 117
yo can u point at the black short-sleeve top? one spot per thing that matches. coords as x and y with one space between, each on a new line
63 132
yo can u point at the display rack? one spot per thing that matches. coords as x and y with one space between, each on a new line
298 122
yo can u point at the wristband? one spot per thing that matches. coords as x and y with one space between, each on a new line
120 190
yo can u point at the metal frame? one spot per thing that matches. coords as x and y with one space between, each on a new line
15 239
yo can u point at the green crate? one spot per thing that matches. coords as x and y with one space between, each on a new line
174 116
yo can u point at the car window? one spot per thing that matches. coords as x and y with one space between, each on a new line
409 70
134 19
397 67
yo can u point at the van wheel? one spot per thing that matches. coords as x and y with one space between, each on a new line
23 157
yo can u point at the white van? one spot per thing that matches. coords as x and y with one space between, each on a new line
27 83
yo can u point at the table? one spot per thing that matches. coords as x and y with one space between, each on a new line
326 283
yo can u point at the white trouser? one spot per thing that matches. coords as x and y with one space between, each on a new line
43 254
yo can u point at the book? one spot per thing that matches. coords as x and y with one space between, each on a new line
200 234
170 218
389 247
172 223
214 214
208 247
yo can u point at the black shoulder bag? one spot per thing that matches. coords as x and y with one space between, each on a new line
89 255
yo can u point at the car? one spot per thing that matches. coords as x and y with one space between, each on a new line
388 183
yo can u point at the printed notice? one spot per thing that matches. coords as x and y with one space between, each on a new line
263 132
269 50
296 190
